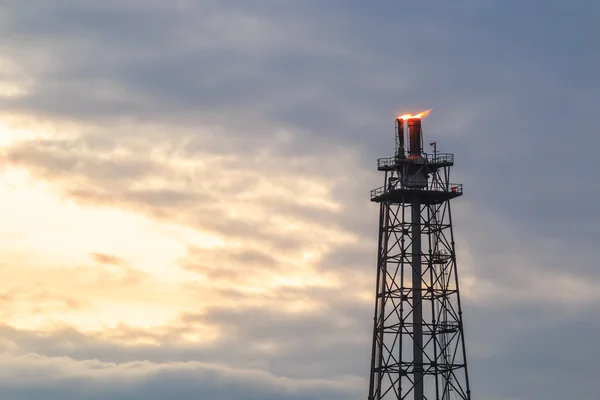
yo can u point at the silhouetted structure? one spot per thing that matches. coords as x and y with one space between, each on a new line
418 344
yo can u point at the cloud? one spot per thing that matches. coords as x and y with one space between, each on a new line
108 259
249 130
285 343
30 376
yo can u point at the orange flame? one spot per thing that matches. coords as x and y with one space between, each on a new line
420 115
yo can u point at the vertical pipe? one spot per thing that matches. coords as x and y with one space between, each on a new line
403 255
415 137
417 300
401 151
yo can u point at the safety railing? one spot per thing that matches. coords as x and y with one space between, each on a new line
377 192
436 158
431 187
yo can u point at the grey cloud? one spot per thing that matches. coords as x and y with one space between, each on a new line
329 342
540 347
57 159
33 376
530 341
230 266
89 171
467 62
513 90
360 257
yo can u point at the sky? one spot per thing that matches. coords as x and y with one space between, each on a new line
184 191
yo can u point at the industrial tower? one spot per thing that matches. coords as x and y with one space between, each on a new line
418 343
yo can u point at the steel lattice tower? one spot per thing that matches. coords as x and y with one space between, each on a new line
418 343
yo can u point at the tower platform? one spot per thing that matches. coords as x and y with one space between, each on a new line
432 161
434 195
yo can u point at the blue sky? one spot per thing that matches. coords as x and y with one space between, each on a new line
185 191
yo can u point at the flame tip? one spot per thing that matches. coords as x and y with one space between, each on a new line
420 115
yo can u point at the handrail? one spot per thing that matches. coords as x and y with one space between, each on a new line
436 158
431 187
